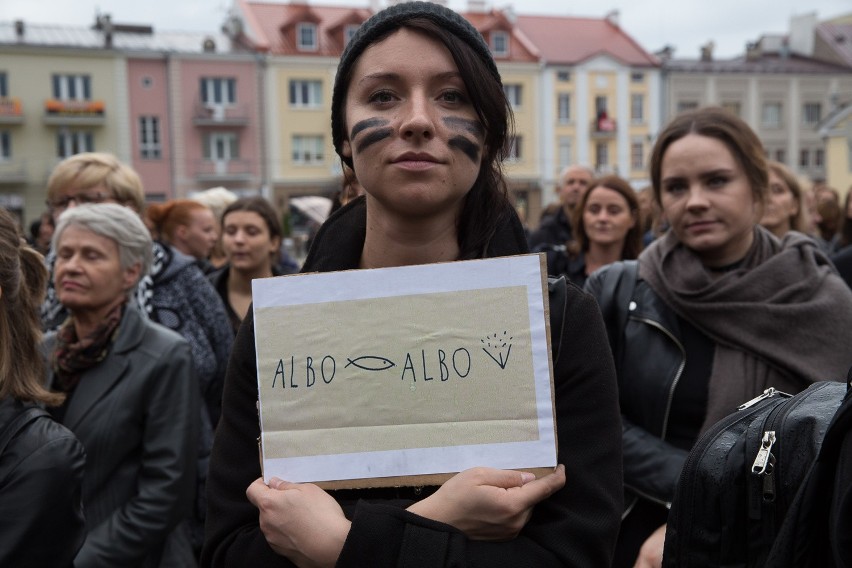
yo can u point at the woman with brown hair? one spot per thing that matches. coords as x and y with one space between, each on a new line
606 229
703 314
41 462
251 239
785 207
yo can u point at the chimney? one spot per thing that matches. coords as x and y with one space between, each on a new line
19 30
613 16
753 50
707 51
666 53
105 23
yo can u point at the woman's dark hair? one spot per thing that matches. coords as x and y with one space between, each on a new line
487 202
23 280
632 240
731 130
261 206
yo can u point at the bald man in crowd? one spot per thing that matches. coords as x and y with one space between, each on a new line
556 229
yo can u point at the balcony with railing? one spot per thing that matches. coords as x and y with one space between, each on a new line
603 126
223 170
11 110
13 172
74 112
211 114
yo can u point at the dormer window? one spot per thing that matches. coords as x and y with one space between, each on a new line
348 32
500 44
306 36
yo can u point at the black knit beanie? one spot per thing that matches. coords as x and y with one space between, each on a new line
392 18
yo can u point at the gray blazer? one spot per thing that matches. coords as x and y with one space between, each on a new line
137 415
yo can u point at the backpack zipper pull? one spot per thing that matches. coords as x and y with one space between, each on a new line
766 394
769 481
764 453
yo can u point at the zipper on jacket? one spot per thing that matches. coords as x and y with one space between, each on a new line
678 374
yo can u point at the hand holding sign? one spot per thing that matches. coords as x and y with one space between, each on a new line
489 504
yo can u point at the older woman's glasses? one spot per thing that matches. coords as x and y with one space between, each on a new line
62 203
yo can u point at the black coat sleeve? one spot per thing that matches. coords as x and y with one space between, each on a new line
41 509
577 526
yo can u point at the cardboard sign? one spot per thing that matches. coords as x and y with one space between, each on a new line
404 376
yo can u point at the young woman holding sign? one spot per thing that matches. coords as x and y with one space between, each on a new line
419 113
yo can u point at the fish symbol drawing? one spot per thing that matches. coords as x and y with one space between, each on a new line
371 363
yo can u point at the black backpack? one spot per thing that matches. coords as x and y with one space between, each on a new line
763 486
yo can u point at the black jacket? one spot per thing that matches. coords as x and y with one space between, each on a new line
577 526
137 413
41 510
554 230
650 358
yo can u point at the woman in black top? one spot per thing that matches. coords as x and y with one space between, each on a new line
419 113
722 310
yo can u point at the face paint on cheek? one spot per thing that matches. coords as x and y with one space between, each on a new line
372 137
470 149
465 124
367 123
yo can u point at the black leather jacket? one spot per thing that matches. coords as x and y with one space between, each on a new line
650 359
41 510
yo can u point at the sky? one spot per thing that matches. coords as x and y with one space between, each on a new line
684 24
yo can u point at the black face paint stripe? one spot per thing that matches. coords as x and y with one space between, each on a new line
367 123
472 126
373 137
470 149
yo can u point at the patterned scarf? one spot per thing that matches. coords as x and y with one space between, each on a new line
73 356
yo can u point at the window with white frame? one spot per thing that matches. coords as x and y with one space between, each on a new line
149 137
4 85
637 77
637 108
601 155
563 76
565 156
732 107
349 31
70 142
308 150
564 108
306 36
637 155
499 43
218 90
683 106
811 113
819 157
770 116
221 147
781 155
5 145
305 94
72 87
804 158
513 94
514 149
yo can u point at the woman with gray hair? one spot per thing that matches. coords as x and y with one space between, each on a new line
131 394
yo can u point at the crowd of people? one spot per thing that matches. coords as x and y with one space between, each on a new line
128 365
